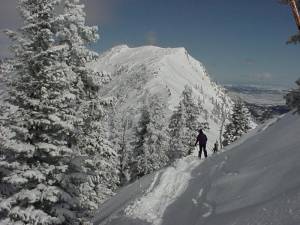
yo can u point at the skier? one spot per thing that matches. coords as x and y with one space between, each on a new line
216 147
201 139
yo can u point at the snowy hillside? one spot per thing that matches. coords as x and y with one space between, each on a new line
138 73
254 182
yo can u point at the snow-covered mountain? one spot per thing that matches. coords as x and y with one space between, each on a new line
255 181
138 73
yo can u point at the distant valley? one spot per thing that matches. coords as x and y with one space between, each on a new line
263 102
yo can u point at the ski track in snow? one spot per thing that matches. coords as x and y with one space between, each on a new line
270 123
173 182
200 193
153 182
209 210
195 200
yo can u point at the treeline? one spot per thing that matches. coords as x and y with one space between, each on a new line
157 140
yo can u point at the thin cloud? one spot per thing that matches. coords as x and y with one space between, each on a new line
263 76
249 61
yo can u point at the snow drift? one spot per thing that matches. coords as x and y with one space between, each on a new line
255 181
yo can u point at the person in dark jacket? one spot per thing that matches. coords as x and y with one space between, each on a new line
201 139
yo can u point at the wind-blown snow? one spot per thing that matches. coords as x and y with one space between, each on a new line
254 182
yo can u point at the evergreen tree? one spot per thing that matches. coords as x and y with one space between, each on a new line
100 159
239 123
120 137
40 157
293 98
184 124
192 116
5 136
177 131
152 144
138 145
100 164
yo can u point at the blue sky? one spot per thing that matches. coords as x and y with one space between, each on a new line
238 41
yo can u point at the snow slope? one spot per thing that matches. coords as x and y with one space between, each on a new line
254 182
138 73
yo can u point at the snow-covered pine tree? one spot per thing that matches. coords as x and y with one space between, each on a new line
239 123
177 131
5 136
39 156
5 132
100 163
138 144
192 118
184 124
120 136
293 98
150 152
156 139
223 118
193 123
100 158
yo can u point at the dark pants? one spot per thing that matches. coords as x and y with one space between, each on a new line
202 147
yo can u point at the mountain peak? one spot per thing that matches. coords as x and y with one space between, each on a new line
150 49
141 72
152 56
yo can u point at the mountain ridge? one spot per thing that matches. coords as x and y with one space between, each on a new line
141 72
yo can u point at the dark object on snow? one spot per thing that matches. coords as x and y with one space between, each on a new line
216 147
201 139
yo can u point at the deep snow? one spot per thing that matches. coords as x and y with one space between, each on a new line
254 181
140 72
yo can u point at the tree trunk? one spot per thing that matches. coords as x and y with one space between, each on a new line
295 11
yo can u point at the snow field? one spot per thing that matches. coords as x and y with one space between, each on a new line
255 181
173 182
